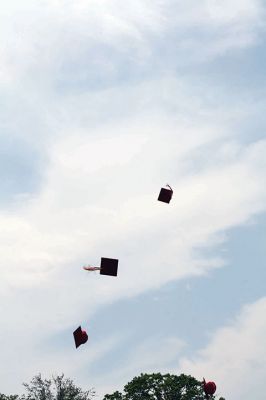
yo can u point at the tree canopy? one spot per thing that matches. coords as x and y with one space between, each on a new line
143 387
161 387
57 388
10 397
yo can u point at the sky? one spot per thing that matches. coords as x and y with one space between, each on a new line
102 103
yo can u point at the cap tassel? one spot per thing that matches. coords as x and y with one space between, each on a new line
90 268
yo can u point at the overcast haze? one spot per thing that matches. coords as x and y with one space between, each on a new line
103 102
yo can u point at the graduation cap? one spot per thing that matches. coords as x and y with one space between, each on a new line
209 388
108 266
165 194
80 336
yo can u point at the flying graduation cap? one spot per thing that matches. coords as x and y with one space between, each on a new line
209 388
108 266
80 336
165 194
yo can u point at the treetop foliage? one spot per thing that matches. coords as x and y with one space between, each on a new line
143 387
161 387
57 388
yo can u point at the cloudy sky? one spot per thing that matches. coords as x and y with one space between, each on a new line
103 102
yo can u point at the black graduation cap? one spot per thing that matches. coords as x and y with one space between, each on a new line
165 194
80 336
109 266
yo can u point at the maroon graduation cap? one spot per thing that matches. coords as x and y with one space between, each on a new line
209 388
165 195
109 266
80 336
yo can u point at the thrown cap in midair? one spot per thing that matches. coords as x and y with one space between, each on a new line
165 195
109 266
80 336
209 388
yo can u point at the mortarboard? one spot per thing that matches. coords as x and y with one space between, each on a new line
80 336
209 388
165 195
109 266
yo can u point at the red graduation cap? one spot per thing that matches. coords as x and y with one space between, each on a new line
109 266
165 195
80 336
209 388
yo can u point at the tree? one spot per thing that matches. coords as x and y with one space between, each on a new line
57 388
10 397
161 387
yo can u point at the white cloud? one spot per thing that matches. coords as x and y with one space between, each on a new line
90 202
235 357
81 215
110 144
151 356
93 42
